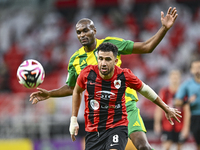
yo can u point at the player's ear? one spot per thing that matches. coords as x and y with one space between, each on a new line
95 31
116 60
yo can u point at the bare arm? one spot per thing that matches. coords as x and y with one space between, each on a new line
170 112
149 45
43 94
149 93
76 101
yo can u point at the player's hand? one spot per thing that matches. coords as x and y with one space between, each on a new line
40 95
168 20
73 128
173 113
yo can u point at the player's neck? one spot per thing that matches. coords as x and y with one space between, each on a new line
89 48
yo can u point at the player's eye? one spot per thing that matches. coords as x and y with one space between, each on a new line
100 58
85 30
108 59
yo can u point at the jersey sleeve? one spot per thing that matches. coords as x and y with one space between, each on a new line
133 81
124 46
72 75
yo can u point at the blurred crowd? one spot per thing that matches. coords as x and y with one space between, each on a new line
49 36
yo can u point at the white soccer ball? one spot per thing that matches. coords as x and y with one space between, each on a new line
30 73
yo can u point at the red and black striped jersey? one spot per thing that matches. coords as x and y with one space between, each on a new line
105 99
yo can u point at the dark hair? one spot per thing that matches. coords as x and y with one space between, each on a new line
107 47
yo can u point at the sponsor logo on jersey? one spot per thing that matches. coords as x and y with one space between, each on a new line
136 124
113 144
112 106
83 62
94 104
106 95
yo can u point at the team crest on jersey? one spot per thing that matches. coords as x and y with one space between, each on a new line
117 84
94 104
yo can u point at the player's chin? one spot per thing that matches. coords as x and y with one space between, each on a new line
85 43
104 72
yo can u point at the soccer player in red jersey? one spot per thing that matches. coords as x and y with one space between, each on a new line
105 110
86 55
179 132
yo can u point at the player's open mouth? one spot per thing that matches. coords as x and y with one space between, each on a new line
103 69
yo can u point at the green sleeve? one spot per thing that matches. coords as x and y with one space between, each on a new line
72 75
124 46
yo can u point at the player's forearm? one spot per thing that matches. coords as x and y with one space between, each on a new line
149 45
61 92
156 39
161 104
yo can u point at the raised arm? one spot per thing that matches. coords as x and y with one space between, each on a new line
149 45
43 94
149 93
76 101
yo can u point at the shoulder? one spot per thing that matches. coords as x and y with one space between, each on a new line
77 53
127 72
89 71
74 57
187 82
109 38
90 68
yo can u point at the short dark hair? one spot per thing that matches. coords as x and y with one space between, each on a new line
107 47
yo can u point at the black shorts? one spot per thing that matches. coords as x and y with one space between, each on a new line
172 136
195 128
113 138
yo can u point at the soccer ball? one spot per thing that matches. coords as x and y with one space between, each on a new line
30 73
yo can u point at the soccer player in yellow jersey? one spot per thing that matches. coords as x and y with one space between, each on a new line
87 55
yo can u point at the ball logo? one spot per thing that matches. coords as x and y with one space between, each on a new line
117 84
30 73
94 104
